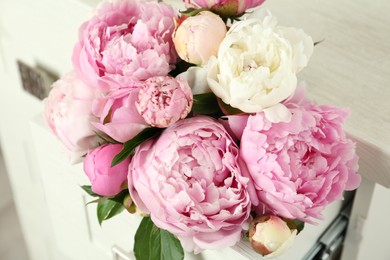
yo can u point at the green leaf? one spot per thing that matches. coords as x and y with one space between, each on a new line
205 104
171 246
88 189
299 224
129 146
227 109
116 209
107 209
295 224
96 200
193 11
107 206
120 196
152 243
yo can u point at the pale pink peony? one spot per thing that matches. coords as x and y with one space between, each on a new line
225 7
297 168
191 34
190 182
125 41
106 180
164 100
119 118
68 114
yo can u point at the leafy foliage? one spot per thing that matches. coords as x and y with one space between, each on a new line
295 224
227 109
88 189
129 146
107 207
193 11
153 243
205 104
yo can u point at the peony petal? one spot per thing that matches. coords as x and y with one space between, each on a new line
277 113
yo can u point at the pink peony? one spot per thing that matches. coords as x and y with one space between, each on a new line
119 117
190 182
68 114
164 100
125 41
106 180
225 7
298 168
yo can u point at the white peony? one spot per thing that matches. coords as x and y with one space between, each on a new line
257 64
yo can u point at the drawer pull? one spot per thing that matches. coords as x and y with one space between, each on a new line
36 80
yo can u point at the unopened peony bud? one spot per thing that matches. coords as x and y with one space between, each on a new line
163 100
106 180
270 236
226 8
198 37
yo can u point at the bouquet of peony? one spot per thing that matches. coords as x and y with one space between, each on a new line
196 121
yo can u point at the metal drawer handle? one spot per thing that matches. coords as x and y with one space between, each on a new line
36 80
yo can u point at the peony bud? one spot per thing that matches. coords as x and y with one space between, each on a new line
164 100
270 236
197 38
106 180
225 8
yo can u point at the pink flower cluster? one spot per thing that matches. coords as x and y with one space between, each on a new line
205 175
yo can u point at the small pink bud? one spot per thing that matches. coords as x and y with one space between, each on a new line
163 100
106 180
